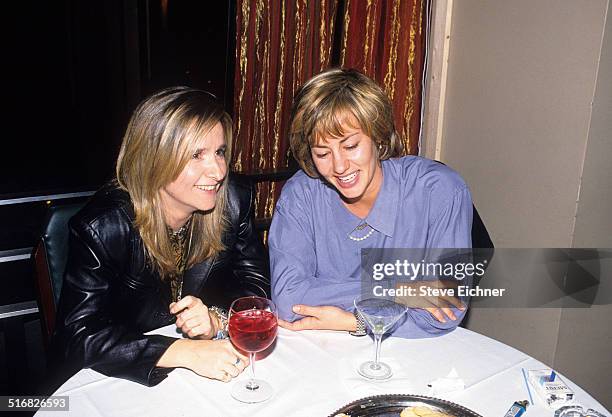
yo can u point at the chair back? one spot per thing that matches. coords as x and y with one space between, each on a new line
480 234
50 257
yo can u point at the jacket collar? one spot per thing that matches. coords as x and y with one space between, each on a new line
196 277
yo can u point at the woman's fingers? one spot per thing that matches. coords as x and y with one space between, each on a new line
437 313
285 324
223 376
198 321
197 326
449 313
192 317
186 302
445 304
441 314
233 362
307 323
215 359
457 303
231 370
244 359
192 310
241 364
306 310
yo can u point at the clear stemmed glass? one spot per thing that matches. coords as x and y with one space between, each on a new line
253 324
380 315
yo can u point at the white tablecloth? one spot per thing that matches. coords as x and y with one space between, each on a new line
314 373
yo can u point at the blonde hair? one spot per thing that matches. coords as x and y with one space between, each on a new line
160 139
336 98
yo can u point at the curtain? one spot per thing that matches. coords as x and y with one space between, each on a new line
280 44
385 40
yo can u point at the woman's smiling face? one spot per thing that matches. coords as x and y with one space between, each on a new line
197 185
349 163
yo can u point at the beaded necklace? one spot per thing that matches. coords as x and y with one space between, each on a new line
360 228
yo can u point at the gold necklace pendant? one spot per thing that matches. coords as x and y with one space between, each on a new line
181 246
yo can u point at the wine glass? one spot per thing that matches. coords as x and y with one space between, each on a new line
252 327
380 315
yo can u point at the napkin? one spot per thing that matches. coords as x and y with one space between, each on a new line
401 382
449 383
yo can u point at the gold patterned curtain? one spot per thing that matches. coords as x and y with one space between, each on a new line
385 40
282 43
279 45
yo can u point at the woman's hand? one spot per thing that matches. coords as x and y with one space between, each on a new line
321 318
194 319
215 359
433 297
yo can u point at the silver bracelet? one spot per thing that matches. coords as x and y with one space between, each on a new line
360 329
221 314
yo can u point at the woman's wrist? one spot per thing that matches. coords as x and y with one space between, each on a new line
360 326
348 322
351 322
177 355
215 322
220 318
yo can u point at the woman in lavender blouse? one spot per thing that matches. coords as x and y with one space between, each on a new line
353 193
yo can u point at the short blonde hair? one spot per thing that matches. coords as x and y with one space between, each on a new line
331 100
160 139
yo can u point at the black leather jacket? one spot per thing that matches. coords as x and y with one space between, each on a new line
111 295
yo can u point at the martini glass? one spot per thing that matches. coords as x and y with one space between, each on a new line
380 315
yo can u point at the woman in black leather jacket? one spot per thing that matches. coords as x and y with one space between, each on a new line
171 239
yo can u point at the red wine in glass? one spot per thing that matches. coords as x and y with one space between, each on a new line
252 326
253 330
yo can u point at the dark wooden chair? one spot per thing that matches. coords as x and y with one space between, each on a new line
50 262
262 225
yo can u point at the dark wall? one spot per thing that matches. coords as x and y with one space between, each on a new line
76 69
73 70
192 45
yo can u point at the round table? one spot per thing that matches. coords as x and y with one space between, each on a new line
314 373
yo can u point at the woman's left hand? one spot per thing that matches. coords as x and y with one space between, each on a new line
193 318
320 318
